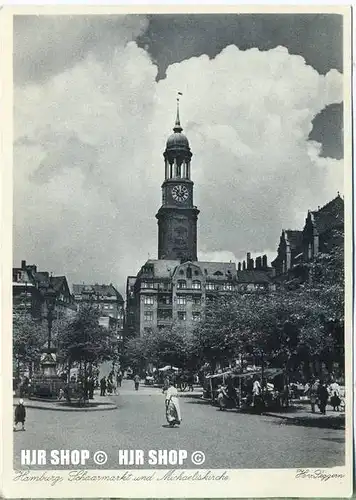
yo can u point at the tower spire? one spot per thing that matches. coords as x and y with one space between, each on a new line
177 126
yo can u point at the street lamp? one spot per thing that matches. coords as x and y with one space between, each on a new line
50 299
49 360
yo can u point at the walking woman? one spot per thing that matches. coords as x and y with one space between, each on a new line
172 406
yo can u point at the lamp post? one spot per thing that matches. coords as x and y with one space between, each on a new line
49 360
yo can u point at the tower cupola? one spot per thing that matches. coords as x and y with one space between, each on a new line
177 155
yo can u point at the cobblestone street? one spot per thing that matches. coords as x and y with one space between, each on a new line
228 439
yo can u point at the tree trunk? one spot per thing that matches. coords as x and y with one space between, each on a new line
69 365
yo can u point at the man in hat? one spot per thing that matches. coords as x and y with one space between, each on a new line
20 415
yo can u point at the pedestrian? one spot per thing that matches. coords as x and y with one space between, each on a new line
119 378
173 415
257 394
137 381
312 391
103 386
91 385
166 383
20 415
323 397
334 392
191 382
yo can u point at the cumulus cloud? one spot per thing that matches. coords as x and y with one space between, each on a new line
88 157
59 42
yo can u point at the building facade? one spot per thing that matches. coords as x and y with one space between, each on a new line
106 299
29 288
322 232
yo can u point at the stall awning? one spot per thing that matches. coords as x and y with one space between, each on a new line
268 373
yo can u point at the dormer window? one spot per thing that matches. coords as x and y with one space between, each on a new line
196 285
189 272
218 273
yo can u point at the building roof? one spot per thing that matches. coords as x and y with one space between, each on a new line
58 281
101 290
253 276
294 237
330 215
214 270
41 276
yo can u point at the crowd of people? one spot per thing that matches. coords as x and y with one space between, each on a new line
109 384
320 394
260 394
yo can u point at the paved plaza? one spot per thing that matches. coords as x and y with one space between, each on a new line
228 439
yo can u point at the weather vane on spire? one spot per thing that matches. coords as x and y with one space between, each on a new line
177 127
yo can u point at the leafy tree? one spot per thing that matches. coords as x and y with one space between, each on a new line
169 346
84 341
29 337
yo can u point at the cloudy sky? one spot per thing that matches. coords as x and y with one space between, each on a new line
95 102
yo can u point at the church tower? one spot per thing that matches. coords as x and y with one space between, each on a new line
177 217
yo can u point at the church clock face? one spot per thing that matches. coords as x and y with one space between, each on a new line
180 193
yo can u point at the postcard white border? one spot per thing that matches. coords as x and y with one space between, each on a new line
243 482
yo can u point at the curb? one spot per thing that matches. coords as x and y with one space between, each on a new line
103 407
324 423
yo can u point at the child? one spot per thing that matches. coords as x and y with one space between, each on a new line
20 415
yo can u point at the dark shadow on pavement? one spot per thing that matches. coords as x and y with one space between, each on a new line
198 401
335 440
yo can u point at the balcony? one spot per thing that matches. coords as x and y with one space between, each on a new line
164 321
164 305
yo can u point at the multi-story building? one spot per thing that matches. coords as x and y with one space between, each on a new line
323 231
106 299
176 288
171 291
29 292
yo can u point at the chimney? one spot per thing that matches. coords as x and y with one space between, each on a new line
250 264
258 262
248 257
264 261
239 266
23 264
244 265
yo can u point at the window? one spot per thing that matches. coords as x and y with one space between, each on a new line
148 315
227 286
181 284
210 286
148 300
181 272
165 301
196 272
196 285
181 301
197 301
218 273
182 315
196 316
147 284
189 272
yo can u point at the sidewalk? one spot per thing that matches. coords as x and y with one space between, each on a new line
302 415
99 403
